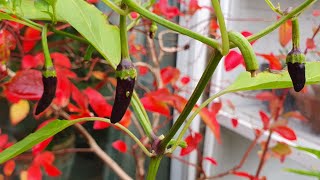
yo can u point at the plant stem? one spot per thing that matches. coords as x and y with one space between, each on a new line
153 167
263 156
273 8
142 115
123 38
272 27
222 25
295 34
48 62
206 76
114 7
170 25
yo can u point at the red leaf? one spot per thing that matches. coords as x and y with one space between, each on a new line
215 108
285 33
193 141
285 132
316 12
3 140
265 96
30 39
243 174
7 39
143 70
29 61
211 160
9 167
234 122
79 98
265 120
120 146
100 125
162 8
34 172
61 60
247 34
213 25
51 170
185 80
209 118
63 91
296 115
169 74
274 62
310 43
98 102
44 157
232 60
193 6
153 105
26 84
92 1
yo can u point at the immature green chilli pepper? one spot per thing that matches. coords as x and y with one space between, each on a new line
49 81
126 76
296 67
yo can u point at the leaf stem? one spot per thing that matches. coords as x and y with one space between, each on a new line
114 7
206 76
222 25
48 61
69 35
170 25
273 8
295 34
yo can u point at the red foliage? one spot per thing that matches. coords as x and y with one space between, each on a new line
193 141
120 146
31 37
163 8
274 62
265 120
310 43
285 132
9 167
232 60
170 75
44 160
211 160
92 1
234 122
285 33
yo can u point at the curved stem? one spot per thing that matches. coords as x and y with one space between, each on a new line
206 76
114 7
170 25
222 25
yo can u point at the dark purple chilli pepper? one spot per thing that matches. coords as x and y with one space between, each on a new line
296 68
126 76
49 80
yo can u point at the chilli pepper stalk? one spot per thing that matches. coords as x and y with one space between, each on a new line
126 76
296 60
49 77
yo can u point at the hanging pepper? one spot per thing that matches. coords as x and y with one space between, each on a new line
126 76
296 60
49 77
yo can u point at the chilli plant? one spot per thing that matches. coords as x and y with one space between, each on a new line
47 44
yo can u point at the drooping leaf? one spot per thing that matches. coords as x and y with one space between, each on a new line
19 111
304 172
34 172
232 60
9 167
285 33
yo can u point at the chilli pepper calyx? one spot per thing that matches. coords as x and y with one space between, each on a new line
296 67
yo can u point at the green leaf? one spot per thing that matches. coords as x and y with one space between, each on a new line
267 80
40 135
309 150
86 19
92 24
42 5
304 172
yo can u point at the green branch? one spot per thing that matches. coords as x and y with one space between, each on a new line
170 25
123 38
114 7
206 76
222 25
